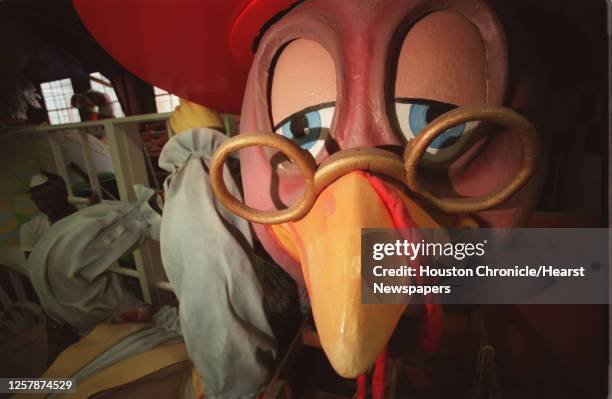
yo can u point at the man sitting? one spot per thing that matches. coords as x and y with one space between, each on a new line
49 194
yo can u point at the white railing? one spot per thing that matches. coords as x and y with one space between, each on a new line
130 167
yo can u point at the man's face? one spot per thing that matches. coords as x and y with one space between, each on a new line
47 197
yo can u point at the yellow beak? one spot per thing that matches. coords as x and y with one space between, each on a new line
327 243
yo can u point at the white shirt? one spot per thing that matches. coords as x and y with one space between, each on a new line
32 230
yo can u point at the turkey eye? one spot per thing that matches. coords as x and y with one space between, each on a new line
435 109
308 128
413 115
298 125
420 115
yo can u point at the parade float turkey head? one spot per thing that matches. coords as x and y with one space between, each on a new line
354 114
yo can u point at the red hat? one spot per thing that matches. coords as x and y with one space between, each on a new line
197 49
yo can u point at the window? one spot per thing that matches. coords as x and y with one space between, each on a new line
57 95
164 101
100 83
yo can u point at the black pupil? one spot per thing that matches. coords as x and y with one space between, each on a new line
298 125
436 109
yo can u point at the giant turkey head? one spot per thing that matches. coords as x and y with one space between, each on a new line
358 80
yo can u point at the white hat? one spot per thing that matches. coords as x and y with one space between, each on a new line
38 179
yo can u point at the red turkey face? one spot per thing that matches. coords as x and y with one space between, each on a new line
335 75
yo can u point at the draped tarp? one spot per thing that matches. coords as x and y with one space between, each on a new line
69 265
207 254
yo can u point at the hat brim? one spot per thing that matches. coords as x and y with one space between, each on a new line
199 50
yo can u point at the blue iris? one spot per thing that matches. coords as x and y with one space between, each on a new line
303 128
417 120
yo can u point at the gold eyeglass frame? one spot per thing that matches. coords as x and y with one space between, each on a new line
378 161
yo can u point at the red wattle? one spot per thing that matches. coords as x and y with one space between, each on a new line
431 327
380 375
362 386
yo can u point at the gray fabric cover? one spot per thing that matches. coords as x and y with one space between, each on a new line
69 265
165 330
206 251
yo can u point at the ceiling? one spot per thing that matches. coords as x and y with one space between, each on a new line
45 40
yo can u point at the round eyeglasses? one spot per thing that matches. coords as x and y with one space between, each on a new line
379 161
